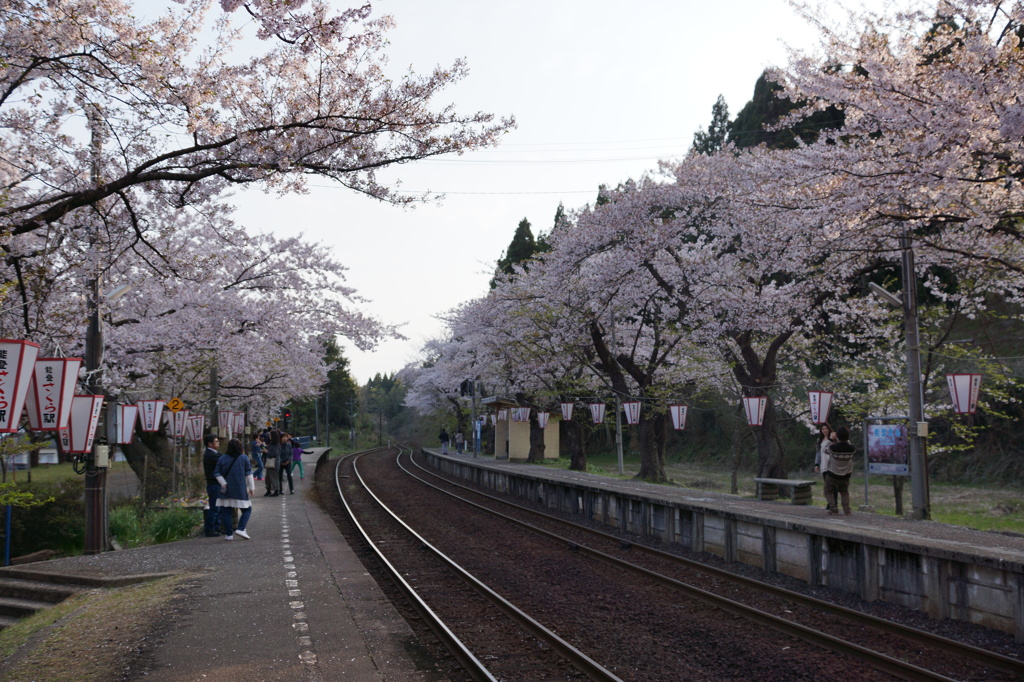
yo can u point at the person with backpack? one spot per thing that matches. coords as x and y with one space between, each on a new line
839 471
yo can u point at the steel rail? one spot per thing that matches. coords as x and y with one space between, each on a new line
470 663
988 658
577 658
878 660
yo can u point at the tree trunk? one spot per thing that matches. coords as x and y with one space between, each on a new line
575 444
653 438
770 463
151 457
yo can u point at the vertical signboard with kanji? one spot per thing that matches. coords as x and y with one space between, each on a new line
17 359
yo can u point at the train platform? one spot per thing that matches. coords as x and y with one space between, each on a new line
945 571
292 603
998 547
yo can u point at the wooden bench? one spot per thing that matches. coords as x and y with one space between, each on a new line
768 489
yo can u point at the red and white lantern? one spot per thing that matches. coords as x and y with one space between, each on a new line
632 410
520 414
85 415
494 420
755 408
821 403
567 411
178 421
17 359
126 416
149 414
239 423
964 390
678 413
597 412
197 424
542 419
502 415
49 399
226 420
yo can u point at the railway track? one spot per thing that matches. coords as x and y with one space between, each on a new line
800 637
906 652
503 642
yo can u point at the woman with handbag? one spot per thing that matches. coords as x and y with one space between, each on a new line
271 463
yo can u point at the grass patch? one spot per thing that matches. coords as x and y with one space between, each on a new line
91 636
51 474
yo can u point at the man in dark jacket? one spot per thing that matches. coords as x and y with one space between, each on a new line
210 457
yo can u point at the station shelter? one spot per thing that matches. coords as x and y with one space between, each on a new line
512 436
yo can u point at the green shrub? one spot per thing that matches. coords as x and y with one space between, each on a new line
168 525
58 525
126 526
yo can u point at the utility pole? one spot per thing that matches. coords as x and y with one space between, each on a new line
95 476
920 497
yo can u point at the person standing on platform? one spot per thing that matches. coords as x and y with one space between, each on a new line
270 463
210 457
236 485
443 437
840 468
460 441
826 436
297 453
285 465
257 456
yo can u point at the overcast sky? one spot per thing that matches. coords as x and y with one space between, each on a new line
600 90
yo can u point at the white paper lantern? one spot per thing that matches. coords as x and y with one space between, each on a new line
678 413
225 420
178 422
48 402
542 419
821 403
17 359
197 423
632 410
567 411
755 408
149 414
239 423
597 412
126 416
85 415
502 415
494 420
520 414
964 390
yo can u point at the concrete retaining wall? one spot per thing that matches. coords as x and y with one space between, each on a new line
942 583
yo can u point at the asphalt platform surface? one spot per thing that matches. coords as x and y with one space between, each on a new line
293 603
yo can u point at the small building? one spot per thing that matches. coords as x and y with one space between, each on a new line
512 436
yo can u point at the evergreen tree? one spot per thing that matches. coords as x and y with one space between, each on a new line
766 108
342 389
718 130
521 249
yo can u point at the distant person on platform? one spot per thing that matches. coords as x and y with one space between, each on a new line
257 456
443 437
826 436
840 468
297 453
460 442
210 457
236 486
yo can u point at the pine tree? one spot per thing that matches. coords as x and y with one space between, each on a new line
521 249
718 130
